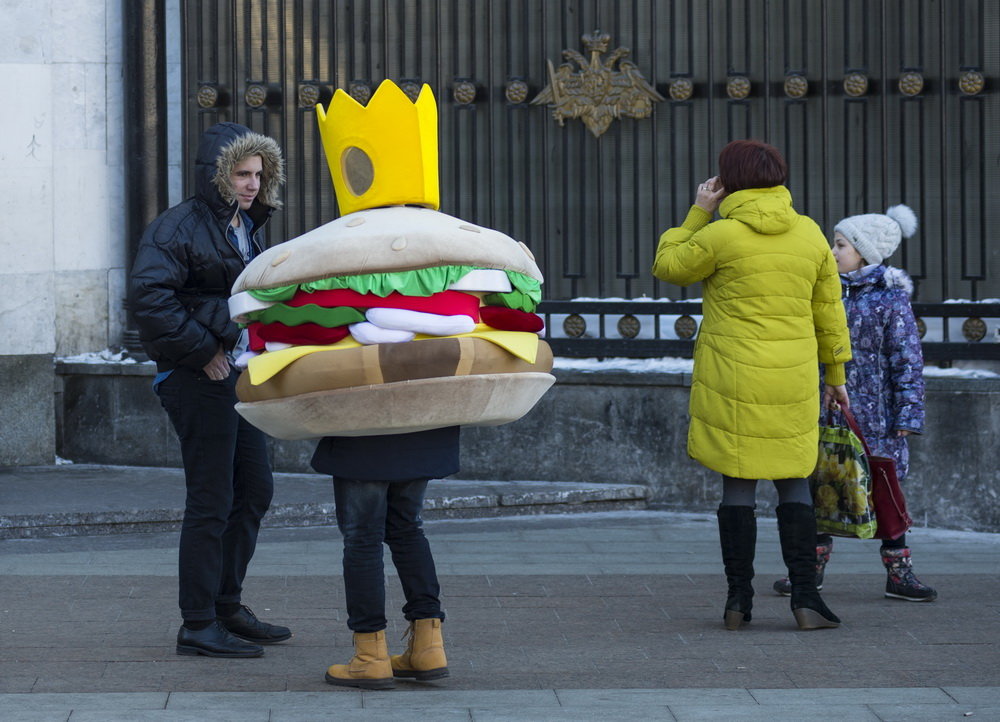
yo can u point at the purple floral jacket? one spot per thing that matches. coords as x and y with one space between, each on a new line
885 379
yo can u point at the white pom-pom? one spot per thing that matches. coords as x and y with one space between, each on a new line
905 217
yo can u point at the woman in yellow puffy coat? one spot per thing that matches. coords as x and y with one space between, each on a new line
771 313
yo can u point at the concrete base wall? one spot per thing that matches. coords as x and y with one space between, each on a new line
595 427
27 411
110 415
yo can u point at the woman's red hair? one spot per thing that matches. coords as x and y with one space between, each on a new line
751 164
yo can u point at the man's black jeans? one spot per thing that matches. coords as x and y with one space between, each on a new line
229 489
368 514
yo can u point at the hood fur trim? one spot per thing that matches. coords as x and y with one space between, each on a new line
272 177
897 278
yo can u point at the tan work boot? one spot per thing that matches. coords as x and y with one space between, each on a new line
369 668
424 656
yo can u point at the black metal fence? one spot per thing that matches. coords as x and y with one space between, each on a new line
874 102
651 329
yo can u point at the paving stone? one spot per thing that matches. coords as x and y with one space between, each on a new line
42 702
974 695
902 712
564 714
859 695
798 712
480 699
371 715
17 683
161 715
615 699
269 700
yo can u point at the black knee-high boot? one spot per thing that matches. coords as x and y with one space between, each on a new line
797 531
738 535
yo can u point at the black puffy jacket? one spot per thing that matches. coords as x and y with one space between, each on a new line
185 265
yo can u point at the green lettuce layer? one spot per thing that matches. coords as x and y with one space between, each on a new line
513 299
310 313
423 282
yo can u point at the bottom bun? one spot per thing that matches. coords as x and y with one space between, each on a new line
400 407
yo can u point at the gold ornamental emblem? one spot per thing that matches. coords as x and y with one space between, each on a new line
971 82
596 92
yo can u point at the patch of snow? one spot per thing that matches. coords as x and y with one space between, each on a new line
640 299
966 300
666 365
107 356
934 371
671 365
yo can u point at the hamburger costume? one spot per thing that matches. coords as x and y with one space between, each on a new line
394 317
383 332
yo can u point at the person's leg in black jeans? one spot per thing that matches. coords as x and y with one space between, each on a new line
361 513
424 657
253 487
201 412
411 552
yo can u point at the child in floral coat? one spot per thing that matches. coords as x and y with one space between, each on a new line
885 378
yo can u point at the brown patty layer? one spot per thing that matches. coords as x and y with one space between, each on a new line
388 362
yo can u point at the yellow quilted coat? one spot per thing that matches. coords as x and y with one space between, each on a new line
772 312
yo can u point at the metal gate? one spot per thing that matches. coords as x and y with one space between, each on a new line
873 103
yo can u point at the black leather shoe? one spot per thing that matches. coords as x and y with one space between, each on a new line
245 625
214 641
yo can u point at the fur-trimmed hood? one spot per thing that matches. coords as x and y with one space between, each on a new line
898 278
223 146
888 277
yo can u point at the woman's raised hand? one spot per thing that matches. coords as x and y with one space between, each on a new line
710 194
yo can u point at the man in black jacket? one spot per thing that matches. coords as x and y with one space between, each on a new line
185 266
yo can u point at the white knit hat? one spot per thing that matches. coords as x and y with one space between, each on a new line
875 236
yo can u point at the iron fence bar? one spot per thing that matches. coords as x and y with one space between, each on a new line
645 308
657 348
956 310
604 347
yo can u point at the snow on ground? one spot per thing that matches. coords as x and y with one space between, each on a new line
100 357
934 371
668 365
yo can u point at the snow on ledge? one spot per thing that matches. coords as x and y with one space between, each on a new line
670 365
953 373
107 356
666 365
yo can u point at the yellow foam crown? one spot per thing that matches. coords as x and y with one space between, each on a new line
382 154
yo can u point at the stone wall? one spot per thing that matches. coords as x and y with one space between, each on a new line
27 423
61 197
595 427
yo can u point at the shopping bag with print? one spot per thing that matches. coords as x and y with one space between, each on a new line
841 485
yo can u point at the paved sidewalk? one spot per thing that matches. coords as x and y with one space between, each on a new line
77 499
602 616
